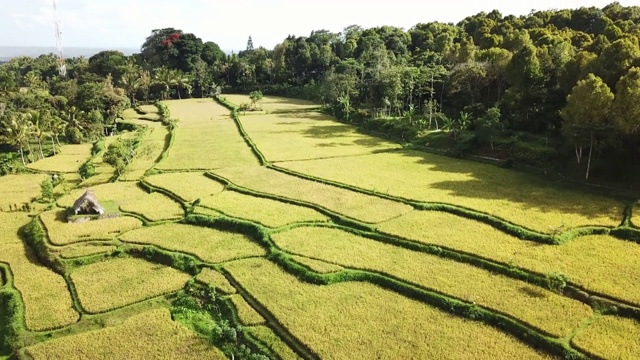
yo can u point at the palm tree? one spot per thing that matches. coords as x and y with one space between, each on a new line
144 82
16 133
165 77
39 120
131 81
181 81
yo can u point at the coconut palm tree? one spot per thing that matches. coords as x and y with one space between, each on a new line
181 81
16 133
165 77
131 82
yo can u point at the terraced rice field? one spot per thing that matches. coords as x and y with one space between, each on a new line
187 186
206 138
18 190
268 212
304 136
148 152
313 269
68 160
131 198
209 245
358 206
353 320
541 308
217 280
600 263
115 283
62 232
47 300
610 337
148 335
486 188
272 103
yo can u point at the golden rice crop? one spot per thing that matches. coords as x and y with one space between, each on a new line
149 109
62 233
9 225
272 103
514 196
312 135
266 336
118 282
81 250
611 337
150 335
317 265
68 160
206 138
268 212
207 244
148 152
358 206
18 190
188 186
155 207
45 294
215 279
248 315
599 263
363 321
544 309
132 198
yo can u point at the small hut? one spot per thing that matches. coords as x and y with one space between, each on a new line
88 204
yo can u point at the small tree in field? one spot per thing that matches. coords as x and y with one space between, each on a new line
489 125
255 96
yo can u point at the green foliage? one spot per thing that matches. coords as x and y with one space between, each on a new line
10 321
36 237
46 190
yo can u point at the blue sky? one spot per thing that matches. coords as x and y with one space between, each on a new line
126 23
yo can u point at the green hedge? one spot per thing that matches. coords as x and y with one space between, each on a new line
36 237
11 317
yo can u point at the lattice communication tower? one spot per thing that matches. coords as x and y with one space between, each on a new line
62 68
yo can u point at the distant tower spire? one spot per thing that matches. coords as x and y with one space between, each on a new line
62 68
250 44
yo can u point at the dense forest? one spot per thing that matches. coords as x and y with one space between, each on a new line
557 89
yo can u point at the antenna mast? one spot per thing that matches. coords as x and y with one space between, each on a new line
62 68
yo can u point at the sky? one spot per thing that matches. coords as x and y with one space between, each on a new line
229 23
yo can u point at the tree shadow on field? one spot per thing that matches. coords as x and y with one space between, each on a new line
489 182
533 292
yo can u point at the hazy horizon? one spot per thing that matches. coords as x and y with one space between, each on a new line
126 23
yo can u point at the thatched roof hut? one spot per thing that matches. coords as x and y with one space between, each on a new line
88 204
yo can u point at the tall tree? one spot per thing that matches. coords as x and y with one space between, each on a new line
586 113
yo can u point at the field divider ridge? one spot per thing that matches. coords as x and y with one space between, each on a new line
235 116
287 337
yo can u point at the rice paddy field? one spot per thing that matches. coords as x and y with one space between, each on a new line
268 212
108 285
206 138
187 186
486 188
68 159
272 103
326 252
18 190
304 136
209 245
150 335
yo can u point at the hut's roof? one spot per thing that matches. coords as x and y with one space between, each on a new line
89 198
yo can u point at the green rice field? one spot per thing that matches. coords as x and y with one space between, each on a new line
340 245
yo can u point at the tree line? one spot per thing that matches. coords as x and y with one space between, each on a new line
557 88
